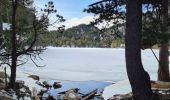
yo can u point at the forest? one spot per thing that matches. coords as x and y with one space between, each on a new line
83 36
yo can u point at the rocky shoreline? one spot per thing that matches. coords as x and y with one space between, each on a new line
161 91
26 93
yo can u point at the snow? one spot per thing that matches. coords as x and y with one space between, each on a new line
6 26
79 64
84 64
122 87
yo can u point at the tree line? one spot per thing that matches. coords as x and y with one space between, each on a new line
82 36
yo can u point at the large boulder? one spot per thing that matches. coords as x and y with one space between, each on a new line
35 77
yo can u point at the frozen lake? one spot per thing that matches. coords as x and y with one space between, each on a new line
86 69
84 64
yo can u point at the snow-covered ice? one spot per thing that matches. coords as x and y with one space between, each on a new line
122 87
84 64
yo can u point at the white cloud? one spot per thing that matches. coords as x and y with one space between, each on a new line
84 20
75 21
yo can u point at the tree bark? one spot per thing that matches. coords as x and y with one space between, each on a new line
138 77
163 70
1 23
13 42
1 26
13 75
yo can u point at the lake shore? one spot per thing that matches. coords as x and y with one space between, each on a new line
105 90
47 86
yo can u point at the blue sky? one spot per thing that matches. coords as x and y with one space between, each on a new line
69 8
72 10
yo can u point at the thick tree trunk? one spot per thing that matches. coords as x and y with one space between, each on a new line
13 75
1 26
13 42
138 77
1 23
163 70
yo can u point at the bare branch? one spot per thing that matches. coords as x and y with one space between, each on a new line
35 62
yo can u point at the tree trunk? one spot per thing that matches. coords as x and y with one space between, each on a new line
1 26
163 70
138 77
13 42
13 75
1 23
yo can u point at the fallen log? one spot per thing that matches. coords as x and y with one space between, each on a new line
160 85
89 95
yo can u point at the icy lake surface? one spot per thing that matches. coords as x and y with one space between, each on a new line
84 64
86 69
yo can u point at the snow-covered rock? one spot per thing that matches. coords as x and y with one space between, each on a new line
122 87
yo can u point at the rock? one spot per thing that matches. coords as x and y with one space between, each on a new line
71 95
50 98
5 95
2 86
42 91
35 77
34 94
39 83
23 92
122 97
57 85
19 84
45 82
27 89
46 85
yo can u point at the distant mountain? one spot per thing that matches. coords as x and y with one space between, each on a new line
81 36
